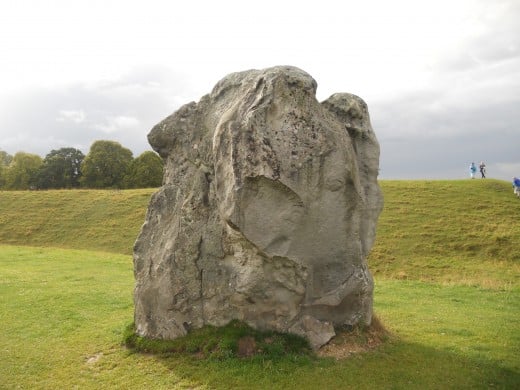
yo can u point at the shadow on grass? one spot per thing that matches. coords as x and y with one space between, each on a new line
397 365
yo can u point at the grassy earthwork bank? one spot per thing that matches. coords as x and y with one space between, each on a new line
445 263
99 220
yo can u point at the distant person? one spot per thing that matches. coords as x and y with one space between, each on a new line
516 186
472 170
482 168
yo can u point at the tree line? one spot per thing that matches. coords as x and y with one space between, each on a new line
107 165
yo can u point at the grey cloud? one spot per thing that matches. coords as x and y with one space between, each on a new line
123 110
447 158
468 113
418 141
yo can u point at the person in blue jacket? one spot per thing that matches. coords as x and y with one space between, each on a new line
516 186
472 170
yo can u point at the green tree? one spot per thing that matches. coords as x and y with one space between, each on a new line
145 171
106 165
5 160
22 173
61 169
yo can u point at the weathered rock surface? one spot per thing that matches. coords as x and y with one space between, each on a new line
267 213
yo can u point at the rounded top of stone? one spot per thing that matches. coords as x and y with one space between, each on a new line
293 76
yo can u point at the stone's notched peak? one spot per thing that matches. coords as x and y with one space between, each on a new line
267 213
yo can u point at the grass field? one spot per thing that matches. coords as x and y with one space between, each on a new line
446 266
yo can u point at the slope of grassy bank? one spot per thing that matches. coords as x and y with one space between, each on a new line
104 220
426 228
465 231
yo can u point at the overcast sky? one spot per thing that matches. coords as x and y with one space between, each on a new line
441 78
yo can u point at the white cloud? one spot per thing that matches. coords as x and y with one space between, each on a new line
118 123
76 116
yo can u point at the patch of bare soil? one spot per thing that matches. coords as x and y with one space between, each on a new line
349 342
246 347
94 358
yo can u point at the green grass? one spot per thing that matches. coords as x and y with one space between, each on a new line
236 339
452 307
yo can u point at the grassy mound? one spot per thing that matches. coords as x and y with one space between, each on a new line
426 228
103 220
450 232
236 339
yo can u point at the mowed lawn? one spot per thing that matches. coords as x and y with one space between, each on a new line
447 288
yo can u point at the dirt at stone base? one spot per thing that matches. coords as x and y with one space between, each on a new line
358 340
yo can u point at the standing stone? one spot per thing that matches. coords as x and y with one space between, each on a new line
267 212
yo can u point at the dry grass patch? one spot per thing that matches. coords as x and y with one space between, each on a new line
348 342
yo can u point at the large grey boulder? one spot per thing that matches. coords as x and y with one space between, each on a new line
267 212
